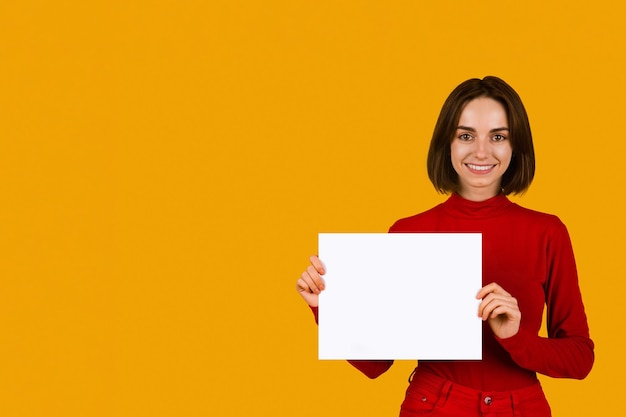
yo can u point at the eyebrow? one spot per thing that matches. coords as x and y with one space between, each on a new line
471 129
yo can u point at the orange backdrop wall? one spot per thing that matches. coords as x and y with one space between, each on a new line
165 167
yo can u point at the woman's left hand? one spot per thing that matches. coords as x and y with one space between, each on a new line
500 309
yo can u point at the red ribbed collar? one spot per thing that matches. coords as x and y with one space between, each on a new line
457 206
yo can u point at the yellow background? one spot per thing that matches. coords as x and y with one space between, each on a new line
165 168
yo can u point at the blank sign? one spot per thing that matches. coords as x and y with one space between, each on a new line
400 296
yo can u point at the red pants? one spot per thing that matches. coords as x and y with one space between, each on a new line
429 395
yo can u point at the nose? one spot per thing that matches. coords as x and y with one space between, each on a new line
481 147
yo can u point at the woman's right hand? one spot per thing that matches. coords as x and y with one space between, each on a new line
311 282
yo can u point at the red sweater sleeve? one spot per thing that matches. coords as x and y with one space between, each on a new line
372 369
567 352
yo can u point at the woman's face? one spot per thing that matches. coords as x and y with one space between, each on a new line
481 149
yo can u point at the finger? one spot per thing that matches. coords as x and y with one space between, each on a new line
313 281
485 304
302 286
493 310
305 285
317 263
315 277
492 299
305 291
491 288
492 302
509 311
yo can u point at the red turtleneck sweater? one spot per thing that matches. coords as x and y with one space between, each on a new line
530 255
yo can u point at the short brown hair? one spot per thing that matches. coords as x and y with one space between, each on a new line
521 171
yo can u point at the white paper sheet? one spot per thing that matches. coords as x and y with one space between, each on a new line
400 296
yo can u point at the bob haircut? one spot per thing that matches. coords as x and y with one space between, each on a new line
521 171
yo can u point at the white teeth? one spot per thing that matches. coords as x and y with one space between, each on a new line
480 167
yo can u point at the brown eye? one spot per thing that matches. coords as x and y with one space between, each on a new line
465 136
499 138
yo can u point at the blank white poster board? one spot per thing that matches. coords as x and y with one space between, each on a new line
400 296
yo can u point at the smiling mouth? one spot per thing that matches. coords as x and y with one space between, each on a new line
479 168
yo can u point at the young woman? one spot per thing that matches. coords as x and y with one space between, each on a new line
481 151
